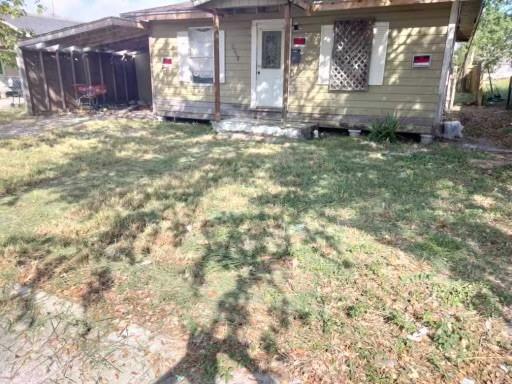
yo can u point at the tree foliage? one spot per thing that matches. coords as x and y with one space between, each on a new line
493 39
8 35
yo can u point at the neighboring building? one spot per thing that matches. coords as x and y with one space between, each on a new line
503 71
333 63
27 26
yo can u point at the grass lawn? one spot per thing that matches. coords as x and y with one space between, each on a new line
315 259
11 113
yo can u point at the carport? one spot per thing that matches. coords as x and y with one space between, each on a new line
109 56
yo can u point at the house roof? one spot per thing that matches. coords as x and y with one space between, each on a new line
185 6
36 24
468 20
102 33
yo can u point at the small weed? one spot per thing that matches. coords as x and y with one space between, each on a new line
451 338
399 319
269 344
403 345
385 130
357 310
225 368
192 326
437 363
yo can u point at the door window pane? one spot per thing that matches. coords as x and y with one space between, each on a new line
271 49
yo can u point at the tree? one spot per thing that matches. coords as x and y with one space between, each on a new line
493 38
9 36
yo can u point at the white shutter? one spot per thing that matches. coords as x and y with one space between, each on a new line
326 42
183 53
222 58
379 48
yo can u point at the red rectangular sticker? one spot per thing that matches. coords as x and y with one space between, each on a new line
299 41
421 60
167 61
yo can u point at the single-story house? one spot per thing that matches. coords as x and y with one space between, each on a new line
334 63
26 26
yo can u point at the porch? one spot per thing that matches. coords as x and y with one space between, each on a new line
97 64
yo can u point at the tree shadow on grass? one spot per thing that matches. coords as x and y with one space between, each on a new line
391 196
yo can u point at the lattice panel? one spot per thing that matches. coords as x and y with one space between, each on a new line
350 60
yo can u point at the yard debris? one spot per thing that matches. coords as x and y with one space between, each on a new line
419 335
20 291
388 364
452 130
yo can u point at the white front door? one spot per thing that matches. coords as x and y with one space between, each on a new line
268 86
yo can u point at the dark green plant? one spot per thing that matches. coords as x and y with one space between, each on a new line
385 130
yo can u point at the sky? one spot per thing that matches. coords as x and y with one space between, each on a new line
86 10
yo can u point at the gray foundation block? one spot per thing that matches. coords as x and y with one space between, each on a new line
354 132
427 139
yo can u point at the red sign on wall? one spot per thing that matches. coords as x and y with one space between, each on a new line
421 61
299 42
167 62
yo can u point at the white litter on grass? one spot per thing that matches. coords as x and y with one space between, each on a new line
467 381
419 335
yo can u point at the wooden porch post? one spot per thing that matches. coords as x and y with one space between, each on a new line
73 73
22 68
87 65
102 79
125 78
45 82
112 60
287 39
61 82
216 64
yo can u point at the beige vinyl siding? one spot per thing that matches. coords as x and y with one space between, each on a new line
406 92
167 84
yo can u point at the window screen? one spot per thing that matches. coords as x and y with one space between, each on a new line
201 54
350 60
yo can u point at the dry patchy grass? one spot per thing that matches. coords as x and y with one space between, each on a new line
310 259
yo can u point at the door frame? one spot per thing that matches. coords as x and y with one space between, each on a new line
272 23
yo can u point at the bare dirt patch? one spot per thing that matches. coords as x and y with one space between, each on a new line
486 125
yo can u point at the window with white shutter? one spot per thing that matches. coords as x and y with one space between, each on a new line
379 49
324 66
377 57
196 61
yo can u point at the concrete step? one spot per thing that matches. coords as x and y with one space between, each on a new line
292 130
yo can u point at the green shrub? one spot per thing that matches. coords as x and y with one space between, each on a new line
385 130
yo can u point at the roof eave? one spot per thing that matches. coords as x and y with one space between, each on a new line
82 28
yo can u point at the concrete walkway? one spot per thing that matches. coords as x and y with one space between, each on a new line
60 347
